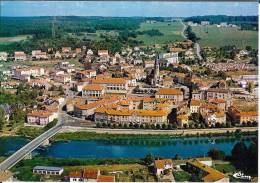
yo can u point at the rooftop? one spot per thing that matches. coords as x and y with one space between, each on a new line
159 164
169 91
213 175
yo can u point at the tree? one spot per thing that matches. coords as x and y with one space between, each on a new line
239 154
252 157
185 125
250 86
149 159
125 125
216 154
17 116
177 157
164 126
2 119
98 125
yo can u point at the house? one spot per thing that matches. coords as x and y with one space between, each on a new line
103 53
3 56
6 176
182 119
67 67
88 109
90 52
161 165
108 115
220 93
38 54
62 78
106 178
48 170
148 64
78 50
204 172
204 22
171 58
93 90
170 93
195 105
243 53
26 73
86 74
197 95
19 56
223 24
137 61
66 49
214 118
76 176
112 85
90 175
240 116
220 103
176 50
41 117
87 175
57 55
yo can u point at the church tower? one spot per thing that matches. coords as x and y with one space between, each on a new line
156 72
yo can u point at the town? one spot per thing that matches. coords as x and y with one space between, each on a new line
172 90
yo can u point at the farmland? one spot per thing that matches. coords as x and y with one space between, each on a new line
215 37
7 40
171 32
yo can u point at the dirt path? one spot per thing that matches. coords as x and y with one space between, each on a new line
183 30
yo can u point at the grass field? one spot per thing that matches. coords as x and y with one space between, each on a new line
217 37
171 30
7 40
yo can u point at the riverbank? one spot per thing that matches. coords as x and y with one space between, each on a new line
82 133
157 132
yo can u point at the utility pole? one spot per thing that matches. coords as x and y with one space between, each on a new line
53 27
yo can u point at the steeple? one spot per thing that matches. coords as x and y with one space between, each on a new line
156 72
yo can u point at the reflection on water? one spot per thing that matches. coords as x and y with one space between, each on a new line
120 148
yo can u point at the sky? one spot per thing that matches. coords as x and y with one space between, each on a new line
126 8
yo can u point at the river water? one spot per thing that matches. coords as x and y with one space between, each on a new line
137 148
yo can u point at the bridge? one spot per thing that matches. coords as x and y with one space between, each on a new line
28 148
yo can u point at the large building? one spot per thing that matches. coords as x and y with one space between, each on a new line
140 116
170 93
205 173
112 85
93 90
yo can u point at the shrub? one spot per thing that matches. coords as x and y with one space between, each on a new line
164 126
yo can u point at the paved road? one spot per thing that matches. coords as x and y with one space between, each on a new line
197 46
28 148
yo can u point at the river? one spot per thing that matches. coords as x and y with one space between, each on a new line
185 147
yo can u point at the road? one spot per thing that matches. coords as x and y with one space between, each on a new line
197 46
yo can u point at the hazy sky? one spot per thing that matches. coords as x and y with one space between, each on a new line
127 8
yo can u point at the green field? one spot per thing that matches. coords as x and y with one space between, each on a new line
6 40
216 37
171 31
